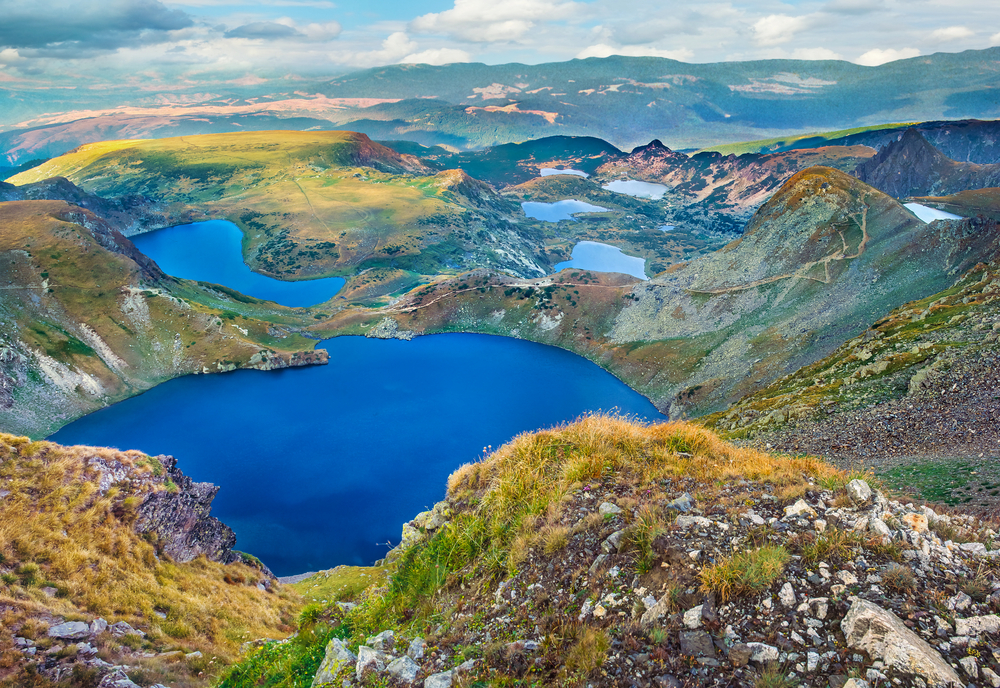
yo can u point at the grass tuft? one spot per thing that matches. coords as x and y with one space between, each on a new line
746 573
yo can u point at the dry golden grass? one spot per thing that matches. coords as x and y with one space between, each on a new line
536 470
57 529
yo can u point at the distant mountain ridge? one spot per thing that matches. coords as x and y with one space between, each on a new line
627 101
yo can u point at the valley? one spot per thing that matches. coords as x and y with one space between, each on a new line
788 300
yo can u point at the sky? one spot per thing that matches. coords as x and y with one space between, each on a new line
186 42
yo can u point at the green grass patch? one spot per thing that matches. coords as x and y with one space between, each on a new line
945 481
341 583
745 573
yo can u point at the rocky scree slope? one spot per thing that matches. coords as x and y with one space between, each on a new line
607 553
90 320
823 258
112 570
921 382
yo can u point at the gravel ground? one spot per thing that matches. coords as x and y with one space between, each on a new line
956 416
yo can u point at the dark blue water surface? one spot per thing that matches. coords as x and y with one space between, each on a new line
319 465
211 252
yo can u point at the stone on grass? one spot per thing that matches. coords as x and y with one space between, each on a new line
697 644
800 508
883 636
337 658
689 521
403 669
682 503
440 680
978 625
416 649
608 509
71 630
382 642
859 492
98 625
369 659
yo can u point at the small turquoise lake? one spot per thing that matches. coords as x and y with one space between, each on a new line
211 252
593 255
322 465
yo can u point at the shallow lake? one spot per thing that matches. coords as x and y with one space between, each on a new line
593 255
549 171
638 189
560 210
211 252
322 465
930 214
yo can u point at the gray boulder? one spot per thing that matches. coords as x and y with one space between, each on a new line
441 680
369 659
337 658
883 635
416 649
403 669
859 492
71 630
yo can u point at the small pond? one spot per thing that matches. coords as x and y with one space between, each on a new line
593 255
560 210
212 252
638 189
549 171
930 214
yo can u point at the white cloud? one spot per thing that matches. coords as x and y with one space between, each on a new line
951 33
605 50
438 56
878 56
775 29
816 54
995 39
492 21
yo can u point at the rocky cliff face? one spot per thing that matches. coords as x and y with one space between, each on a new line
89 320
911 166
180 517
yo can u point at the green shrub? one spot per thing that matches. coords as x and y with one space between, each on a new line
745 573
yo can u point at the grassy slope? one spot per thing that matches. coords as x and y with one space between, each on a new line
88 326
310 203
889 362
59 530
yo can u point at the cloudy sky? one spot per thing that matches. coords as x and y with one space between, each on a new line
185 41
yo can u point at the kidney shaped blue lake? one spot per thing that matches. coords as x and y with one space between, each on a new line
321 466
211 252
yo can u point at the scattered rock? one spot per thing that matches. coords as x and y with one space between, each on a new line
882 635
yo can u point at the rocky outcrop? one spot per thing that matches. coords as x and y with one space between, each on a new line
276 360
912 166
180 517
388 328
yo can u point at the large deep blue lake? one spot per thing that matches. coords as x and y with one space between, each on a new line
321 466
211 252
